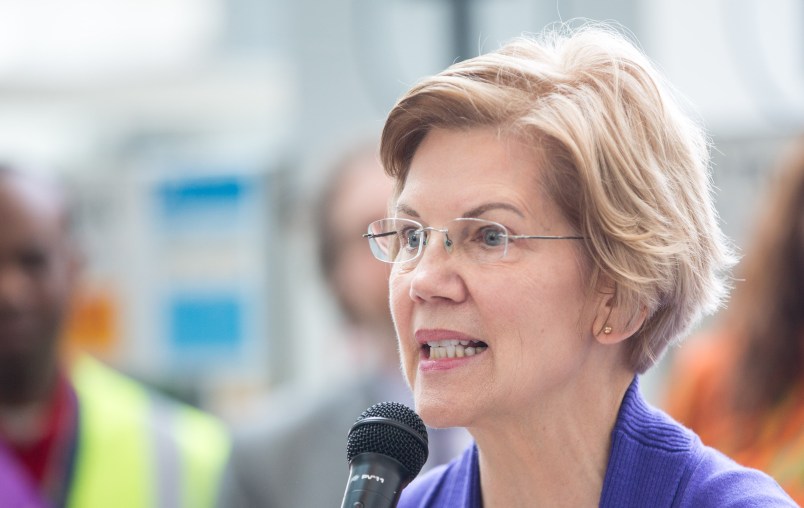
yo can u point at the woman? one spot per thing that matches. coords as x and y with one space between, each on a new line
741 386
551 232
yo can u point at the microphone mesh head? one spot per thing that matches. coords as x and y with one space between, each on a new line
397 432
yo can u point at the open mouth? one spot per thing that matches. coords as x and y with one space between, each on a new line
436 350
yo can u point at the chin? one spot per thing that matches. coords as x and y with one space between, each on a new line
439 413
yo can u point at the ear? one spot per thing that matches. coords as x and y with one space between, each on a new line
613 323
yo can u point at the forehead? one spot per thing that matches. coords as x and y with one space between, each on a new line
364 190
459 169
29 207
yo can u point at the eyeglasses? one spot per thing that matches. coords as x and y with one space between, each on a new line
402 240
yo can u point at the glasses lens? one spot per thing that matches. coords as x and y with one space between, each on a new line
395 240
479 239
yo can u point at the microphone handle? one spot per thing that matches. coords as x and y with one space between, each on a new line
375 481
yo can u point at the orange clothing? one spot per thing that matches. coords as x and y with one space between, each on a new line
699 395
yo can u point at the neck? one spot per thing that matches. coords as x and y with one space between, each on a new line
556 454
25 402
27 383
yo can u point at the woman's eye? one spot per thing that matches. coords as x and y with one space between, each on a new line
410 238
492 237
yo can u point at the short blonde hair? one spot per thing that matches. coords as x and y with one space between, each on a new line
627 167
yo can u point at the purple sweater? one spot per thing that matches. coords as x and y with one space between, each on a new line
654 462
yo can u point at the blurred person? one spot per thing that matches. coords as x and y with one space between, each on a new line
552 231
296 456
74 433
740 384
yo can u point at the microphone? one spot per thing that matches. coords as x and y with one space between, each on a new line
386 449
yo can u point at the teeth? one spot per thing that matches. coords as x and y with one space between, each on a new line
442 343
450 342
446 349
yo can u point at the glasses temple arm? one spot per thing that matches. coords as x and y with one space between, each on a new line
543 237
379 235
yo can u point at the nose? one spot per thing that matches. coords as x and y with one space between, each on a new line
434 277
428 234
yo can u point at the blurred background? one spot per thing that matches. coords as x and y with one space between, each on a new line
194 133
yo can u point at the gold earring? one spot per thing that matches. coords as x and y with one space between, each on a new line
607 330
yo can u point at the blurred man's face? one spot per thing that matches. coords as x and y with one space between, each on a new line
360 280
37 268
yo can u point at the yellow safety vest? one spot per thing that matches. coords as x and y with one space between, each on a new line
138 450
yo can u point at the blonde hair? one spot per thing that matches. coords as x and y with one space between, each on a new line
628 169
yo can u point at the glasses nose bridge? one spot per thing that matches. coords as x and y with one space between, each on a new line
448 244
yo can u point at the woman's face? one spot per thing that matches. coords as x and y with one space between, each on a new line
531 310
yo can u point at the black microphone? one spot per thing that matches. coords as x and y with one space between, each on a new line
386 449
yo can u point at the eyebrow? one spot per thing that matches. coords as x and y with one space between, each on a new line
474 212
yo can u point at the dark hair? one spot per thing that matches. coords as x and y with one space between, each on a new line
329 246
766 309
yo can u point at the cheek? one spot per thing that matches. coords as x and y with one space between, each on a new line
362 280
45 293
53 303
399 301
526 304
506 291
56 291
402 314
